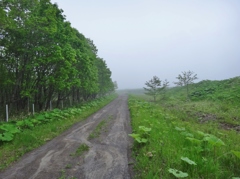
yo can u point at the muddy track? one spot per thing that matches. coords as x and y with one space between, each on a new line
107 157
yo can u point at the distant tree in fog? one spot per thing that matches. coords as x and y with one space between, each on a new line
185 79
155 86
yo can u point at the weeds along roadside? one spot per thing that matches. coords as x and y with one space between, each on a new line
20 137
167 147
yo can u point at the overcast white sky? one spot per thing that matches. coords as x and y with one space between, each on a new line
142 38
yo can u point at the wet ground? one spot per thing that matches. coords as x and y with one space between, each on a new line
108 156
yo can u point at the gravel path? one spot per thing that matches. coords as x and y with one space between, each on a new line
107 158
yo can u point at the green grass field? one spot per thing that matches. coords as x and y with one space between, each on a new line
178 138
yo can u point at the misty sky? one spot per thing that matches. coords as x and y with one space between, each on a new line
142 38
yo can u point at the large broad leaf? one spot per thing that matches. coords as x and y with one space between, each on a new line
25 124
193 140
180 128
201 133
36 122
10 128
7 136
187 134
41 117
213 140
134 135
187 160
138 138
143 140
237 153
177 173
145 129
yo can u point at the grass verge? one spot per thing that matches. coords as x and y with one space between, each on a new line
167 147
32 138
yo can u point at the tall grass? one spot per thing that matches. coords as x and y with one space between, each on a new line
173 144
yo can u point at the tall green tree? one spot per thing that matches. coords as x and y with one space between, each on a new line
104 77
43 58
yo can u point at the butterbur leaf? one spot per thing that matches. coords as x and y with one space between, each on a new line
237 153
42 117
144 140
177 173
145 129
35 121
213 140
7 136
47 115
180 128
187 160
20 123
193 140
9 128
138 139
201 133
187 134
134 135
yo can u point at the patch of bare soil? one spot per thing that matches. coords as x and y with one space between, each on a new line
108 155
228 126
206 117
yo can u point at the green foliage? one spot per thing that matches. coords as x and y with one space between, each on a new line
80 150
6 136
187 160
7 132
185 79
177 173
142 135
178 145
97 130
213 140
225 90
236 153
155 86
54 63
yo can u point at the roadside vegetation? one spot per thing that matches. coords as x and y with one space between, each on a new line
197 137
21 136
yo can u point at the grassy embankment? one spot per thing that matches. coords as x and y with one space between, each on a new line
175 138
20 137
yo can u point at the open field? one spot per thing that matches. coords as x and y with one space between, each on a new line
197 138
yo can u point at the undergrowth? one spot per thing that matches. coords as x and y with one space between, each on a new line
167 145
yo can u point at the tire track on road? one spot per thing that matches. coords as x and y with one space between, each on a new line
107 156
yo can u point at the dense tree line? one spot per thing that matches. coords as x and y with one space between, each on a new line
43 58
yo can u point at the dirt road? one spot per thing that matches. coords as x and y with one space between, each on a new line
107 157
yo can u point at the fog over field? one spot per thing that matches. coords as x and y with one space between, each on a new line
139 39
